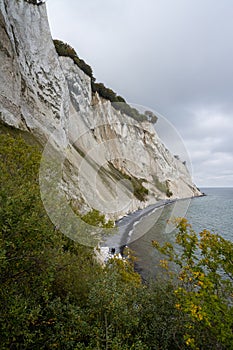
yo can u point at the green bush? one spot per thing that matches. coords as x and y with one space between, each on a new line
96 219
118 102
169 193
104 92
204 288
130 111
35 2
64 49
151 117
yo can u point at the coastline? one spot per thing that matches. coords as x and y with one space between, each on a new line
114 245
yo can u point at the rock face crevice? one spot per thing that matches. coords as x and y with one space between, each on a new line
51 97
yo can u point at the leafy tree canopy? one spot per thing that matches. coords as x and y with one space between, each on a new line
204 292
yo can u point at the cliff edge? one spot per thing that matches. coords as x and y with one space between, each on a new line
111 162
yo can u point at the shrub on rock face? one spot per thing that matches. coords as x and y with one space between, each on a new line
104 92
151 116
121 99
84 66
35 2
169 193
64 49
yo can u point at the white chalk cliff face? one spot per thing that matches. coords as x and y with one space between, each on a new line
110 160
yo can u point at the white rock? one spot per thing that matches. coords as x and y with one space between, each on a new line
48 95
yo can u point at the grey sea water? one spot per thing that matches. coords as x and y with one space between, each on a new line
213 212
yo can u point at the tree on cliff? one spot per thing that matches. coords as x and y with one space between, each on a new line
204 288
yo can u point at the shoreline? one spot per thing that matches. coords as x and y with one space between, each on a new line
115 245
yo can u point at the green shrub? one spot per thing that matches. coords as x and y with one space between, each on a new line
151 117
104 92
118 102
64 49
96 219
204 288
120 99
35 2
84 67
130 111
169 193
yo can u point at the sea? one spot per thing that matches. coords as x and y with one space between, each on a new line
213 212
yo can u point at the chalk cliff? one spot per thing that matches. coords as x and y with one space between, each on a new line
111 162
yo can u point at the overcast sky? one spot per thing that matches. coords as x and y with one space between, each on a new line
172 56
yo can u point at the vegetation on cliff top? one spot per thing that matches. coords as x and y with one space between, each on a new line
118 102
35 2
54 295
